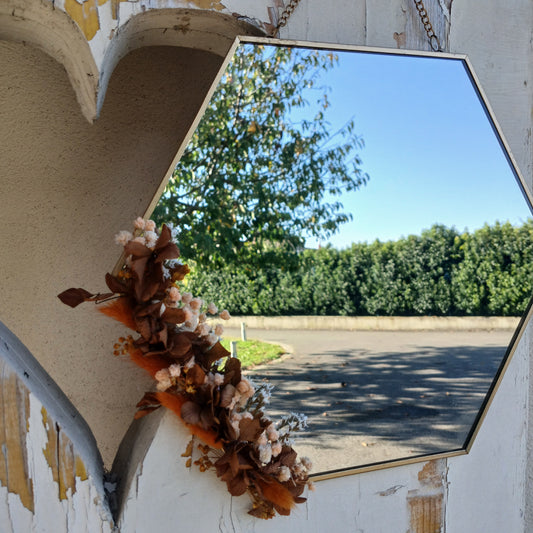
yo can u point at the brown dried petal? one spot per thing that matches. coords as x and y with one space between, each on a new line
173 315
250 429
136 249
232 371
195 376
228 392
216 352
115 285
179 345
74 297
164 238
190 412
237 486
170 251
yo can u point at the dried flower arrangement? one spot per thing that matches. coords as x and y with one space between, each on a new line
195 377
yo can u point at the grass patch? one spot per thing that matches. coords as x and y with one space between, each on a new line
252 352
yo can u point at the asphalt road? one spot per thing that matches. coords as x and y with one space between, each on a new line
378 396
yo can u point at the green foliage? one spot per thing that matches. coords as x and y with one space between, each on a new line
254 178
441 272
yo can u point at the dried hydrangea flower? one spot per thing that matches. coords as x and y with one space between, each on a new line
123 237
196 304
139 223
150 225
186 297
224 315
140 240
265 453
212 309
276 448
174 370
151 238
219 330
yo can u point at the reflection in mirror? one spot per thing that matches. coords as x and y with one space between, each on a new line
358 183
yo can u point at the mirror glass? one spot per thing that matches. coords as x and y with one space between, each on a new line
388 174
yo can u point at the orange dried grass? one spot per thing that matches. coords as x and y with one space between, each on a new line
120 310
276 493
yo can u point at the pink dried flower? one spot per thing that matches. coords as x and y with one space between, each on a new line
311 486
262 440
186 297
224 315
163 385
187 312
272 433
139 223
150 225
219 379
174 294
212 309
196 303
203 329
123 237
219 329
202 317
162 375
245 388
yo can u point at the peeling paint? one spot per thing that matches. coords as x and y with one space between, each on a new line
426 504
14 410
217 5
85 15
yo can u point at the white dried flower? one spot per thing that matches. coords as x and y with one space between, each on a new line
163 385
284 473
174 370
123 237
151 238
140 240
276 448
162 375
190 363
150 225
265 453
262 440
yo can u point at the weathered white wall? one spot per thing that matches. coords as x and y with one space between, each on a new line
66 187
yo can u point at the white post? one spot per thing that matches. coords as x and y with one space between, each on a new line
233 348
243 331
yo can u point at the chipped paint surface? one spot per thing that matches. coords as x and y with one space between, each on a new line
85 15
426 504
14 403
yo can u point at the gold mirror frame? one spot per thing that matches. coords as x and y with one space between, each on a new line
467 445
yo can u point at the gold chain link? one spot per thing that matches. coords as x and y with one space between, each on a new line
287 12
433 39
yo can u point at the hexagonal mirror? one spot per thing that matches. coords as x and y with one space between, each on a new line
362 202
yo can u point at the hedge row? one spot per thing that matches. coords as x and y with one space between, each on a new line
441 272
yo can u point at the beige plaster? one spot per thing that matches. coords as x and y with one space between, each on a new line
66 188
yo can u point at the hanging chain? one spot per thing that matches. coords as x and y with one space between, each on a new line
433 39
287 12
